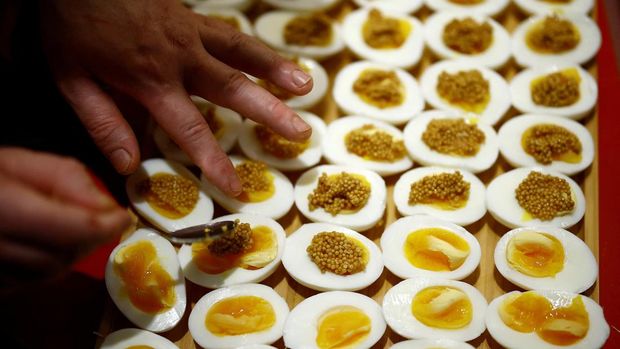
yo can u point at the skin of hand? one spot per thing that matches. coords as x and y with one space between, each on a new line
51 211
158 52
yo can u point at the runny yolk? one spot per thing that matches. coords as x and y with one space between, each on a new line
263 250
435 249
342 327
442 307
558 324
240 315
148 285
535 254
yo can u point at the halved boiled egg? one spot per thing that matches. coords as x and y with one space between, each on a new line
431 344
550 142
223 122
256 346
312 35
431 247
238 315
302 5
250 254
487 7
546 258
549 39
435 308
366 143
266 191
467 88
451 139
336 319
240 5
384 36
402 6
168 195
455 195
560 6
325 256
144 279
348 196
473 37
231 16
561 89
377 91
262 144
535 196
546 319
134 338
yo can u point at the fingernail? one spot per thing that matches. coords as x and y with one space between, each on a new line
302 127
301 78
121 160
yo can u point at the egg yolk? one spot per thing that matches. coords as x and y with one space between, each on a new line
340 193
558 324
558 89
171 196
549 142
240 315
373 144
383 32
442 307
467 36
553 35
467 90
337 253
140 347
256 181
149 286
544 196
446 191
535 254
261 251
453 137
277 145
342 327
308 30
435 249
379 88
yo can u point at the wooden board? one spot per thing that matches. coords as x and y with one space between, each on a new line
486 278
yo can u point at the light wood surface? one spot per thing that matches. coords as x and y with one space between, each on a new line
486 278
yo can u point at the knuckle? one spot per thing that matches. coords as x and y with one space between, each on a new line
237 41
234 83
194 130
103 130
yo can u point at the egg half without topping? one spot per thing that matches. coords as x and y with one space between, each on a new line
335 319
144 279
324 257
435 308
486 7
238 315
132 338
546 319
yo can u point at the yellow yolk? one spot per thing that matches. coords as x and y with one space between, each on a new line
256 181
342 327
263 250
382 32
240 315
171 196
535 254
148 285
554 323
435 249
442 307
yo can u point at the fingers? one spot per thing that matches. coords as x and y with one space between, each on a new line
234 48
179 117
104 122
230 88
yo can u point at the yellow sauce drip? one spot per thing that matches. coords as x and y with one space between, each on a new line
442 307
435 249
240 315
342 327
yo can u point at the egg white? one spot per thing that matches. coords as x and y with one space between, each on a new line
300 330
301 268
256 346
405 56
363 219
473 210
431 343
585 50
509 338
206 339
486 7
395 237
166 255
495 56
503 205
336 152
402 6
542 7
580 268
128 337
511 132
244 24
320 86
397 310
499 92
351 103
250 145
240 5
274 207
269 27
420 152
522 96
203 211
302 5
236 275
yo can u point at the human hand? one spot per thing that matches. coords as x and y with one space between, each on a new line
51 211
159 52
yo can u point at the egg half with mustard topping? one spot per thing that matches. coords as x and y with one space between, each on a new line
487 7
